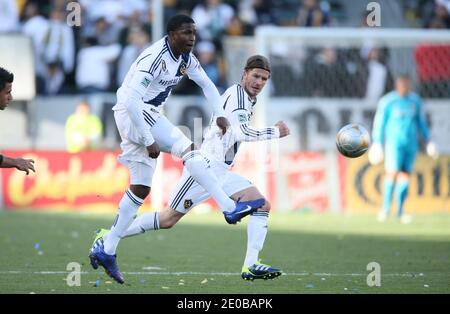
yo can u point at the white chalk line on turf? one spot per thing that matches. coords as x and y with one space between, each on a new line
19 272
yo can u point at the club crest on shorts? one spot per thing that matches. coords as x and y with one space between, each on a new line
187 204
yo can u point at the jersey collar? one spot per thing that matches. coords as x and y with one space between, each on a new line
170 50
252 100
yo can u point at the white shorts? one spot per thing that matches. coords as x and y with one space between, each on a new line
188 193
169 138
140 173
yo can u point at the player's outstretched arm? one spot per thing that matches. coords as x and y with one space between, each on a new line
19 163
247 133
243 132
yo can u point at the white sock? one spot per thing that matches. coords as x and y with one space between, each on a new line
256 235
199 170
128 207
143 223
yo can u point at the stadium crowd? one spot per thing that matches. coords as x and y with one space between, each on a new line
96 56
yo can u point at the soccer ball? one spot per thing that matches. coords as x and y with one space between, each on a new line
352 140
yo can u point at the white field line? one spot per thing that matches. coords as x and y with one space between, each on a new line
152 273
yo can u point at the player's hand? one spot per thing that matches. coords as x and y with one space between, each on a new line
432 150
284 130
223 124
153 150
24 165
376 155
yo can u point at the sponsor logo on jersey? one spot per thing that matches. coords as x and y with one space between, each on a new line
242 118
145 82
170 82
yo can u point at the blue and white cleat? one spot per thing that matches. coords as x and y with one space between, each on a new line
98 256
260 271
98 241
109 263
243 209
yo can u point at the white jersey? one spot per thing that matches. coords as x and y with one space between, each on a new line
150 81
156 72
238 107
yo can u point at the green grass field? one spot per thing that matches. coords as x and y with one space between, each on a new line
202 254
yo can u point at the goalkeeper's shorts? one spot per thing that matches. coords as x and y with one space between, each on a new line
399 159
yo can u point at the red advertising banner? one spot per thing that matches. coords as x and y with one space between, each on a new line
302 183
96 181
86 181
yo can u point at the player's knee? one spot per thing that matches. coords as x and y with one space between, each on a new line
266 207
140 191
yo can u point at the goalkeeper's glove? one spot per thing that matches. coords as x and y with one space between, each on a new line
432 150
376 154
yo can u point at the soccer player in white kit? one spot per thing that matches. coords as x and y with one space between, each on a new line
238 102
145 131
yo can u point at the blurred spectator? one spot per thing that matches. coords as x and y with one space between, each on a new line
312 15
212 18
59 42
59 5
210 62
54 80
9 16
377 75
36 27
170 8
83 130
138 41
255 12
131 6
239 28
283 79
117 12
110 10
105 32
325 75
93 69
439 16
374 78
134 22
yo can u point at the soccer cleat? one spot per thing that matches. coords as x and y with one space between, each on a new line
109 263
243 209
405 219
260 271
382 216
98 241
